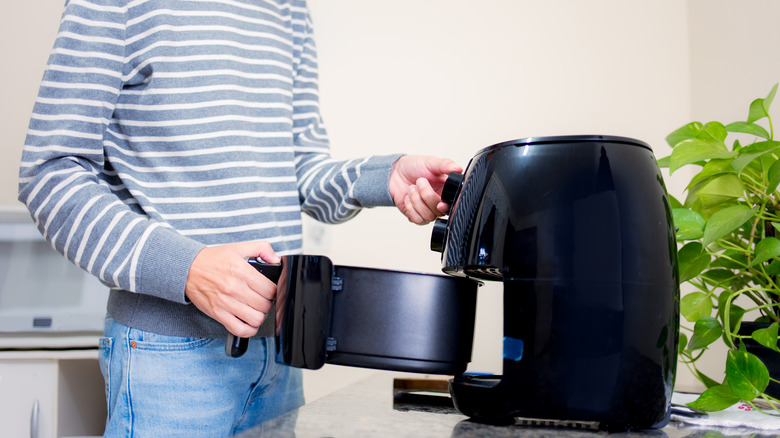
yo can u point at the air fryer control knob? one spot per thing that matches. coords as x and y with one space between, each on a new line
439 235
449 193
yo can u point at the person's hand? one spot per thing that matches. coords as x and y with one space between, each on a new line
415 186
225 287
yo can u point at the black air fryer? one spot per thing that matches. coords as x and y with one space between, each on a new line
579 230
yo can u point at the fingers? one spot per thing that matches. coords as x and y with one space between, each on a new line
442 167
423 205
225 287
416 183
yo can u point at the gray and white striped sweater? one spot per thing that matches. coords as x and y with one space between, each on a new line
164 126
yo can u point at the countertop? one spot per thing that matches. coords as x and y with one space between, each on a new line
367 409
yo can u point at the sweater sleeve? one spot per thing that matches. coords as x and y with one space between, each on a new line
62 174
331 191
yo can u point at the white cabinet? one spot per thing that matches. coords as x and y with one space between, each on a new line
51 394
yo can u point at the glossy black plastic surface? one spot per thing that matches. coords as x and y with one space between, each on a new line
373 318
403 321
235 346
303 306
579 229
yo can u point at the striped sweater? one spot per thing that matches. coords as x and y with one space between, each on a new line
164 126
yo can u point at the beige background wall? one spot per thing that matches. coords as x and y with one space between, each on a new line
448 77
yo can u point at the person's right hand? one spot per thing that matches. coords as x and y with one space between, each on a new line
225 287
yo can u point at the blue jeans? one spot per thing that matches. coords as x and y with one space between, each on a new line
168 386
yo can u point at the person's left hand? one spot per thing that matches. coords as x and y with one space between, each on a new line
415 186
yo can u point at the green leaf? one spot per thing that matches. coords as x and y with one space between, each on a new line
735 316
698 149
689 224
730 259
706 331
766 249
695 305
715 398
774 177
720 189
710 169
664 162
746 374
714 131
750 153
759 108
773 268
707 380
770 97
691 261
689 131
683 341
748 128
674 203
717 277
725 221
767 336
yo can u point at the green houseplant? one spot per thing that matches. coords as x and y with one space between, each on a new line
727 230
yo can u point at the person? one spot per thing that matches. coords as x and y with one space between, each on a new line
171 141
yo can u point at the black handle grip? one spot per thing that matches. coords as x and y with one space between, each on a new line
235 346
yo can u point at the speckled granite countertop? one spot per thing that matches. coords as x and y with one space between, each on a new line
369 409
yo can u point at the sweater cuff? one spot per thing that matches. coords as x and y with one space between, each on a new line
372 186
165 265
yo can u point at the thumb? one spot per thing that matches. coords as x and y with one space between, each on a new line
443 166
260 249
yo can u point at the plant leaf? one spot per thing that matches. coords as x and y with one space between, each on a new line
698 149
748 128
714 131
774 177
725 221
766 249
767 336
735 312
689 131
683 341
735 316
715 398
706 331
707 380
746 374
770 97
689 224
759 108
773 268
674 203
695 305
710 169
720 189
717 276
750 153
664 162
691 261
730 259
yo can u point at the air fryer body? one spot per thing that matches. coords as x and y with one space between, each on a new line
579 230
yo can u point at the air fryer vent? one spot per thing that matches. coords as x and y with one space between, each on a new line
484 273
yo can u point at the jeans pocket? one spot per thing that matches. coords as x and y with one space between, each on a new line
148 341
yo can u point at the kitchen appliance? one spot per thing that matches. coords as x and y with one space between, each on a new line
40 291
579 230
365 317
